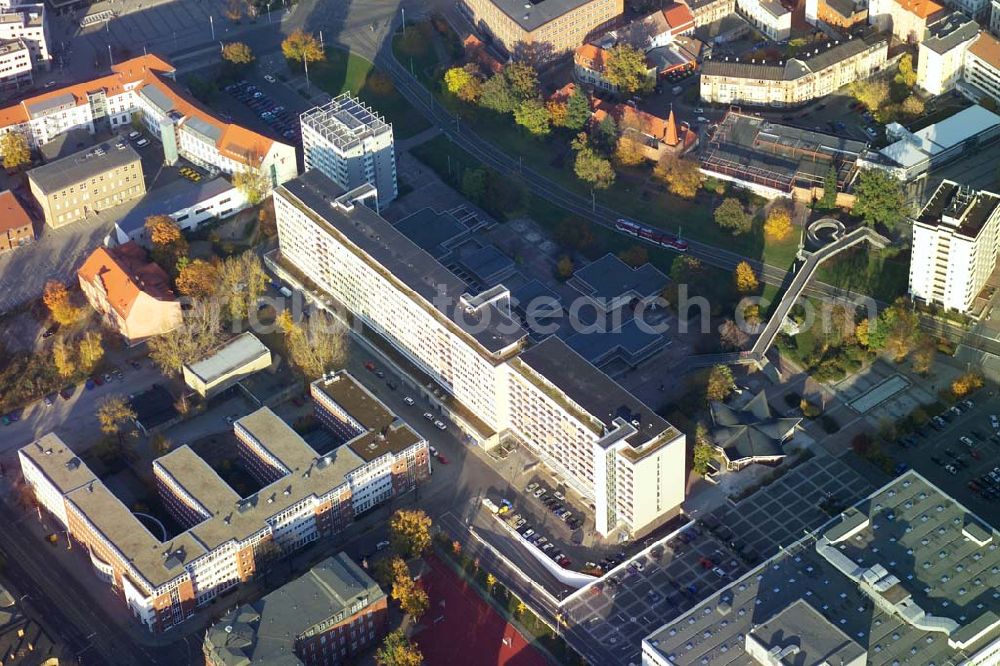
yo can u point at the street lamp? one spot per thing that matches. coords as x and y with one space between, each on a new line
211 23
110 57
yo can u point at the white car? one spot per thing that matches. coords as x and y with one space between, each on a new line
381 544
433 451
408 400
559 496
994 422
428 416
702 119
142 143
440 425
719 571
133 135
269 78
699 110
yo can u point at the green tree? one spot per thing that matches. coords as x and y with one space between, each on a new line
238 54
626 69
720 383
474 184
496 95
605 134
523 80
686 269
829 198
577 111
731 215
594 169
703 453
15 150
397 650
634 256
879 198
532 115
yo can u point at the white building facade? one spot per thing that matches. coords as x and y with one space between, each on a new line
981 73
941 55
605 444
351 145
27 24
768 16
955 243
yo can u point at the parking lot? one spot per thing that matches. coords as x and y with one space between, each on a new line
279 120
608 620
958 451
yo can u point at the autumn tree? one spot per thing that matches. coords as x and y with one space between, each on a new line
57 299
410 532
523 80
113 415
626 69
198 279
732 216
558 113
901 327
301 46
731 336
62 358
720 383
254 184
905 74
873 93
966 383
704 452
682 177
923 355
167 240
628 151
634 256
745 278
237 54
160 444
242 281
198 333
532 115
314 345
233 10
593 169
913 106
15 150
463 84
398 650
90 351
564 267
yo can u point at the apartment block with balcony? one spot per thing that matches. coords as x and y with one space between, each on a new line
351 145
604 442
543 29
941 54
981 73
955 242
24 43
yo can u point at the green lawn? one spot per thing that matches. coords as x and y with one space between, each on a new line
348 72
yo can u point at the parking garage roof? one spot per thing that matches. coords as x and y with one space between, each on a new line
902 559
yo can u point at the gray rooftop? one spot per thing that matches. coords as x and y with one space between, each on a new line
264 632
610 278
951 30
813 639
774 8
198 479
595 392
629 341
431 230
174 196
750 431
387 250
902 578
82 166
229 357
539 13
57 461
345 121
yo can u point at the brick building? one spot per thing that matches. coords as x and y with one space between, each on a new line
15 225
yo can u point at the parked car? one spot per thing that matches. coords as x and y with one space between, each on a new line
269 78
442 459
408 401
428 416
440 425
142 143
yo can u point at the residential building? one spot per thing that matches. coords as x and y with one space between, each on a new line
906 19
727 29
131 293
328 615
841 15
604 442
15 65
660 28
24 642
941 54
994 21
750 433
710 11
476 51
15 224
145 88
303 496
188 204
23 26
901 577
88 182
769 16
351 145
912 155
955 242
589 62
227 364
655 136
795 81
779 160
979 10
981 73
541 30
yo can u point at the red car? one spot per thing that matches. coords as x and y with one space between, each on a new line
706 563
442 459
369 366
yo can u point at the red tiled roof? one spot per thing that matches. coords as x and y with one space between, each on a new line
590 56
922 8
678 15
12 214
125 272
987 49
563 93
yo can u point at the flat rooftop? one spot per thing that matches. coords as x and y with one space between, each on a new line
431 231
229 357
962 208
912 148
814 639
539 13
57 461
610 278
595 392
82 166
398 259
345 121
198 479
908 547
384 432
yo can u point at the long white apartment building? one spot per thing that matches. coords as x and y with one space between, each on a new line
303 495
600 439
145 88
955 243
351 145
